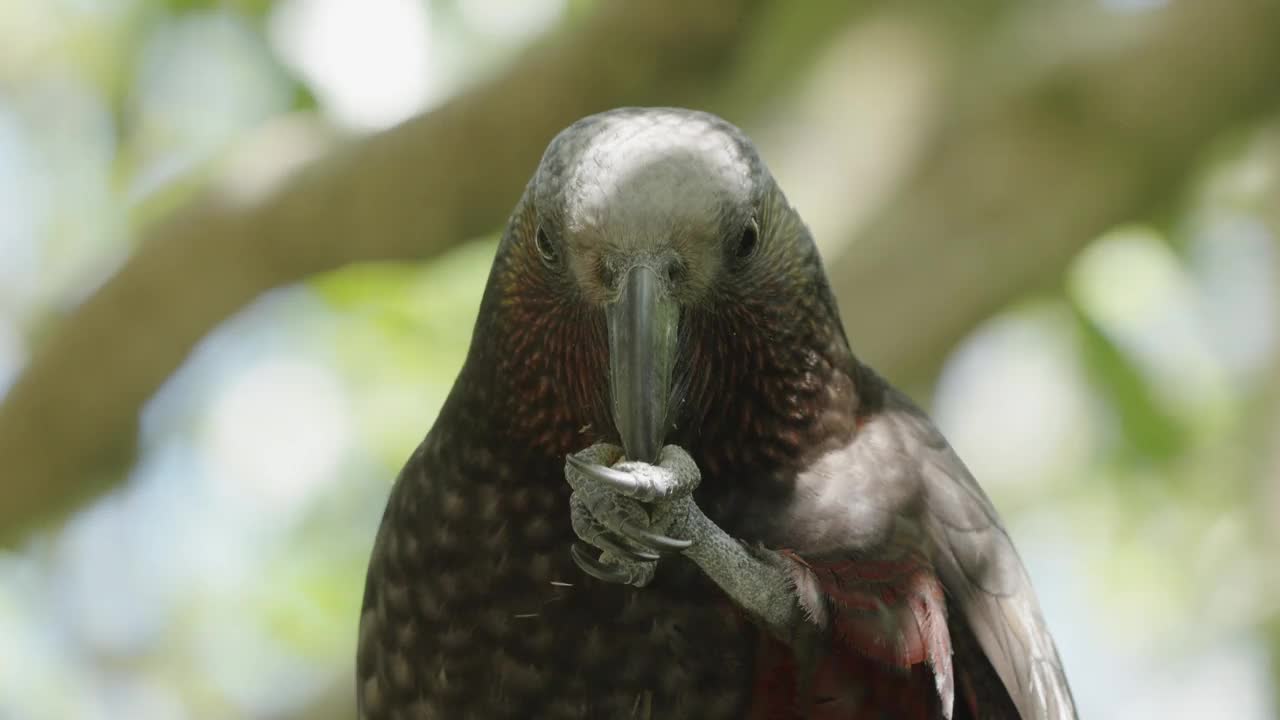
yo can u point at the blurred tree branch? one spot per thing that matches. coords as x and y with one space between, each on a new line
1023 175
1016 180
67 425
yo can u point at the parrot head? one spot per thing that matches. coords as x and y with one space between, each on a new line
660 234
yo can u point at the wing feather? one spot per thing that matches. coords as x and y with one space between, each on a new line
984 577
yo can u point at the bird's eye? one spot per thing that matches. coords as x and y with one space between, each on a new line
546 248
749 240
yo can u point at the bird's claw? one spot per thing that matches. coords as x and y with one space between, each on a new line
651 540
604 542
607 512
616 479
625 572
590 529
675 475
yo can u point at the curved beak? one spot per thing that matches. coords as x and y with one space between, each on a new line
642 350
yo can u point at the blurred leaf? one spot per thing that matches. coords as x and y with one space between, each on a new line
405 329
1150 432
312 593
419 294
303 98
252 8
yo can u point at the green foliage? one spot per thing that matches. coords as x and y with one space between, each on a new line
1147 432
406 329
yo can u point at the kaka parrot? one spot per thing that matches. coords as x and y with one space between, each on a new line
663 486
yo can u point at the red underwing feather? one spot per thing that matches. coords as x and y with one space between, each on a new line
890 653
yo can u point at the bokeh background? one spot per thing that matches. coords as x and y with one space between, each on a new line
242 245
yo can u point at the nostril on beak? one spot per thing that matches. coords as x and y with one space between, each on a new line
608 277
674 271
610 273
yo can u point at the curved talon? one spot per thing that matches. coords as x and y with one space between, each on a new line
617 480
630 531
652 540
595 568
604 542
594 532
